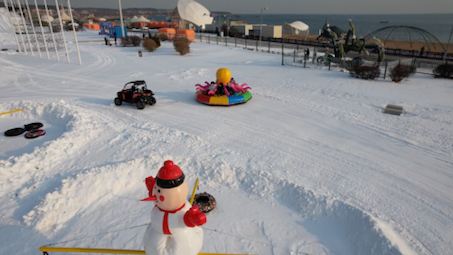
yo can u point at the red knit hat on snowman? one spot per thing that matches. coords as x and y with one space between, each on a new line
169 176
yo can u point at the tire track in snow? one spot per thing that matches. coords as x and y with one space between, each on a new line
102 61
54 79
35 84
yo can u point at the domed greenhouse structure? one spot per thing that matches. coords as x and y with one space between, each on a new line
407 38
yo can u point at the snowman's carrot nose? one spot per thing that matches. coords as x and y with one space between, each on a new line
152 198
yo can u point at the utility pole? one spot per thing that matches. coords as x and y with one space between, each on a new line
261 23
448 44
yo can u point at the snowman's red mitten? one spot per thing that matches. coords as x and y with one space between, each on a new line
194 217
150 182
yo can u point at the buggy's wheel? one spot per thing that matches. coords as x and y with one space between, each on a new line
118 101
140 104
152 101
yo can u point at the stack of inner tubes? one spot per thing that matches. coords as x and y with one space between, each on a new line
33 130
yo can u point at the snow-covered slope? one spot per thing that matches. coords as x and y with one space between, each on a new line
310 165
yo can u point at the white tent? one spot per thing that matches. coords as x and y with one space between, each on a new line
46 18
297 27
194 12
64 17
134 19
142 19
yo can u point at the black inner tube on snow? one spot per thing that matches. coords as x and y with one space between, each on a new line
32 126
14 132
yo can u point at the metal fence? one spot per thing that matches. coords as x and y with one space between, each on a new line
294 53
251 44
422 66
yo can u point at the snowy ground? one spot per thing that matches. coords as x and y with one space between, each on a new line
310 165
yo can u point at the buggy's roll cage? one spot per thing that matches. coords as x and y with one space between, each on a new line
135 83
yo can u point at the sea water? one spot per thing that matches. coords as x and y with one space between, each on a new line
439 25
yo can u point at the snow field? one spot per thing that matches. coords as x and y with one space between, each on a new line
64 201
310 165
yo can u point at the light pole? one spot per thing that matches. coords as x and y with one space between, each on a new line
261 23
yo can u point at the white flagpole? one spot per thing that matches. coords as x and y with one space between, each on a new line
42 30
73 29
25 27
51 30
121 17
62 30
12 26
20 30
33 26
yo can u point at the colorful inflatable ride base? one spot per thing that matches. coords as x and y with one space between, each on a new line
223 100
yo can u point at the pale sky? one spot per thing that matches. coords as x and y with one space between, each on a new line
289 6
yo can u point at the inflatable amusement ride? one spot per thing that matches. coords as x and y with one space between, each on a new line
225 91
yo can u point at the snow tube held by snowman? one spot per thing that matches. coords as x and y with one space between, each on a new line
205 202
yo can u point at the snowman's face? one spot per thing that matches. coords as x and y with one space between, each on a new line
171 199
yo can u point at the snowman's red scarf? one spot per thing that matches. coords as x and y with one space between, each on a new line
165 227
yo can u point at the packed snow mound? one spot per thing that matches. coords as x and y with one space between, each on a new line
305 218
64 119
55 117
86 193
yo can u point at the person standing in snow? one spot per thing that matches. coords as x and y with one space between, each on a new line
174 228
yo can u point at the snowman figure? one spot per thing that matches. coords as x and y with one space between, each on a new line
174 228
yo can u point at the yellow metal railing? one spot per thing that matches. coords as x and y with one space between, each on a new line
88 250
111 251
12 111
